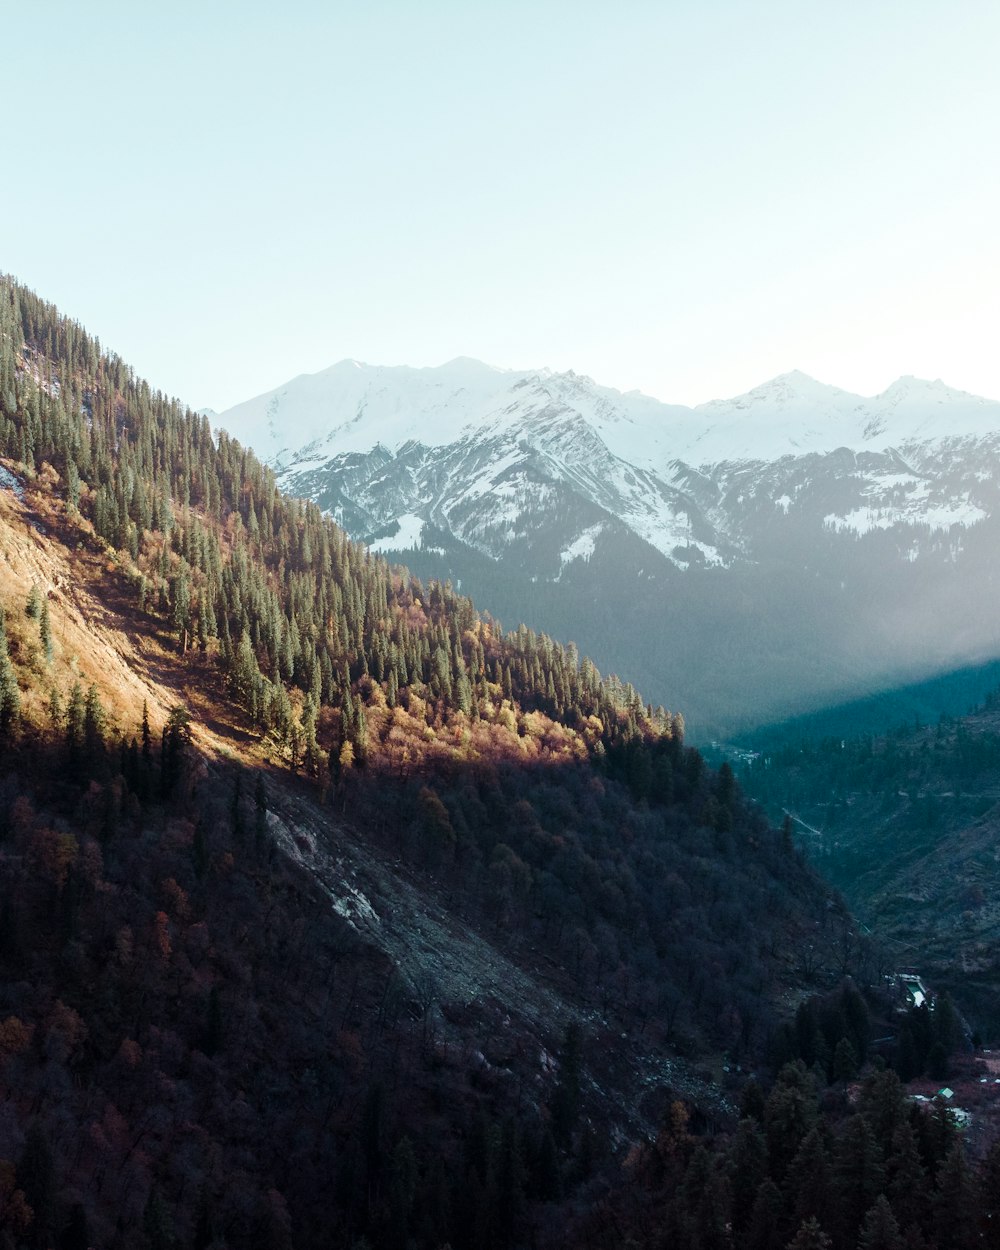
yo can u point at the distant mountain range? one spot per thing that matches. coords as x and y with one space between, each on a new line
740 561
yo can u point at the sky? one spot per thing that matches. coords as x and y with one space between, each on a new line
686 198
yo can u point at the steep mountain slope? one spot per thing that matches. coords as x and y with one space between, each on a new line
483 915
907 824
815 536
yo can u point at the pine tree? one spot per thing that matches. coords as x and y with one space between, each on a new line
880 1230
810 1237
55 709
176 744
789 1114
953 1202
93 722
767 1220
845 1061
10 696
45 630
808 1182
907 1180
747 1170
946 1027
858 1170
75 724
883 1106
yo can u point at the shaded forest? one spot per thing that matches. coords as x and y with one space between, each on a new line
906 824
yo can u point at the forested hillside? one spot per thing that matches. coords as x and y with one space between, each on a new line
906 824
330 914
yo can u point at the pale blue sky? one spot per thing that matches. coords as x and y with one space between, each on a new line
685 197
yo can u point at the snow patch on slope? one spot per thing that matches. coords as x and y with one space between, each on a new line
936 516
583 547
408 537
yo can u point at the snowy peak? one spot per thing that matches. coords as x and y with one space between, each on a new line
921 390
916 410
792 414
352 407
785 390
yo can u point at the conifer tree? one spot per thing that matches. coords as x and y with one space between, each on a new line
953 1201
147 737
907 1180
808 1182
810 1237
93 722
858 1169
45 630
747 1170
75 724
880 1230
10 696
767 1220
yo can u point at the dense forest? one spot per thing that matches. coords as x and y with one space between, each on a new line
197 1049
905 823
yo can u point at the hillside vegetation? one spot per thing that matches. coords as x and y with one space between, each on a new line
906 824
330 914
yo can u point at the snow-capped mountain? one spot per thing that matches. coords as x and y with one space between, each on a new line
602 515
351 407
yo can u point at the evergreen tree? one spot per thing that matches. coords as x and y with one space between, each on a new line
907 1179
808 1182
883 1106
10 696
953 1202
767 1220
946 1027
45 630
93 723
845 1061
747 1171
789 1114
176 744
147 737
810 1237
858 1170
880 1230
75 725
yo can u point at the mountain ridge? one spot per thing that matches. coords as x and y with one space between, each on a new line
546 495
632 407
